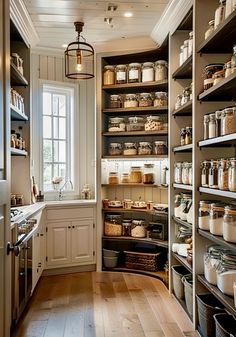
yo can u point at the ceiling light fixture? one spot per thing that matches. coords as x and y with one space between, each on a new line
79 57
108 20
128 14
112 8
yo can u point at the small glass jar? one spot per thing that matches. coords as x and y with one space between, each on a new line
178 173
177 205
230 7
178 102
115 102
182 136
228 121
181 55
223 174
161 70
126 227
13 200
204 215
145 99
233 60
188 135
86 192
112 225
147 72
186 203
19 199
206 121
220 13
144 148
218 76
185 173
125 178
135 124
229 225
209 71
160 147
205 173
212 126
216 218
116 124
130 101
210 29
148 174
160 99
218 123
113 178
186 96
134 72
185 51
109 75
226 273
228 69
115 149
121 74
190 173
232 175
190 44
211 261
130 149
153 123
138 229
213 174
135 175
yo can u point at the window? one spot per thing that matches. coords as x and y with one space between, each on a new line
57 136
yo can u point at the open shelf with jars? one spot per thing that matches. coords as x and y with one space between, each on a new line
183 110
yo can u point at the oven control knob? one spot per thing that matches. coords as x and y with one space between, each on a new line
31 221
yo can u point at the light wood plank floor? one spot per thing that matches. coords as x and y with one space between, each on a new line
103 305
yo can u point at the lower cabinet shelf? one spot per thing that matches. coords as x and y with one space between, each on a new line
130 238
183 261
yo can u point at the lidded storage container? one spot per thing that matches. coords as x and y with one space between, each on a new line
130 149
113 225
216 218
229 224
232 174
204 215
210 29
145 99
135 124
205 166
153 123
147 72
121 74
160 147
213 174
113 178
211 261
115 102
220 13
161 70
130 101
116 124
228 121
134 72
109 75
115 149
226 273
138 229
160 99
223 174
135 175
148 174
144 148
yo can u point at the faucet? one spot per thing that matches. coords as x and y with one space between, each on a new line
61 189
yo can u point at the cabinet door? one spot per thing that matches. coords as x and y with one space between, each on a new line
82 241
58 243
35 259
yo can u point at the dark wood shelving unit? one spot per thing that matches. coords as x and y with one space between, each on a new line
219 193
151 156
17 115
16 78
183 187
185 70
227 301
182 222
222 39
183 261
184 110
130 238
135 133
17 152
133 210
137 86
183 148
138 110
226 140
225 90
217 239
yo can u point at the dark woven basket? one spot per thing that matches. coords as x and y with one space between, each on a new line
225 325
144 261
208 306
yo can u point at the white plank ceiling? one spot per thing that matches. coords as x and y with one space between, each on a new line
54 19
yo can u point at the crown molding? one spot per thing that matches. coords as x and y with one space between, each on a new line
170 19
21 19
54 52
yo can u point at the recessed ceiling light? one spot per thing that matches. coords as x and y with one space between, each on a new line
64 45
128 14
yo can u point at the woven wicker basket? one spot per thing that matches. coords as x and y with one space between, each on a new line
144 261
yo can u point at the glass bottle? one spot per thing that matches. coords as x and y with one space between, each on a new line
121 74
223 174
220 13
188 135
213 174
211 28
182 136
206 127
232 174
212 126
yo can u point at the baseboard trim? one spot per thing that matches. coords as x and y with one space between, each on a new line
69 270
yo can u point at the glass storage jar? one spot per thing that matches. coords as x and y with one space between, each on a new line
205 166
209 71
210 29
218 76
161 70
135 176
185 51
182 136
178 102
115 102
126 227
181 55
220 13
188 135
186 95
228 69
116 124
178 173
183 233
230 7
145 99
229 224
130 101
190 44
213 174
113 178
186 203
212 126
216 218
211 260
130 149
177 205
112 226
144 148
135 124
206 121
228 121
121 74
185 173
218 122
124 178
13 200
160 147
223 174
164 178
232 174
153 123
233 60
19 199
138 229
134 72
160 99
148 174
147 72
115 149
109 75
204 215
226 273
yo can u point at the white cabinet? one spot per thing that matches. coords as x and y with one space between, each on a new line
82 241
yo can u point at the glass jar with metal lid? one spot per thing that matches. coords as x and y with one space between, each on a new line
188 135
145 99
121 74
216 218
205 166
115 149
204 214
182 136
209 71
126 227
135 175
130 149
186 203
186 173
160 147
178 173
226 273
183 233
211 261
218 122
138 229
153 123
148 72
186 95
148 174
115 102
144 148
130 101
178 102
124 178
229 225
213 174
210 28
223 174
212 126
218 76
228 69
220 13
135 124
160 99
116 124
228 121
177 205
134 72
232 174
112 225
113 178
109 75
161 70
206 121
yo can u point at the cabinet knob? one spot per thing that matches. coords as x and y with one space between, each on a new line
69 227
39 264
41 234
73 226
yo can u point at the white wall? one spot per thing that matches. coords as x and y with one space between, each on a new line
51 68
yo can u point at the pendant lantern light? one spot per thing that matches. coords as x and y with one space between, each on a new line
79 57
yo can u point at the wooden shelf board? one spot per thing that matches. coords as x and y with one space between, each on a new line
138 86
135 133
129 238
182 222
185 70
227 301
183 261
16 78
159 110
215 142
17 152
135 185
133 210
151 156
183 148
220 193
17 115
217 239
157 274
216 42
183 187
184 110
225 90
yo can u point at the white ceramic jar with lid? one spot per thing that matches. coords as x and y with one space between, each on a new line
147 72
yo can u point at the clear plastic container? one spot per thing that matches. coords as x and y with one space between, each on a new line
228 121
161 70
210 29
135 124
138 229
160 148
115 102
134 72
216 218
153 123
113 178
148 174
135 176
130 149
147 72
223 175
116 124
109 75
160 99
204 215
145 99
232 175
130 101
121 74
144 148
220 13
115 149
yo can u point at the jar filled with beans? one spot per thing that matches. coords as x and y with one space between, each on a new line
160 148
160 99
153 123
145 99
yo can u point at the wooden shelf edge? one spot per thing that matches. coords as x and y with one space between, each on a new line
135 85
17 152
185 70
17 115
134 210
217 239
185 109
152 156
135 133
218 140
130 238
18 78
183 187
217 192
138 109
183 261
135 185
183 148
182 222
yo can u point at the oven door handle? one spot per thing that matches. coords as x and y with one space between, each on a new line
13 248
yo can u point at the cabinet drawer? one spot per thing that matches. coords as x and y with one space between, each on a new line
70 213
